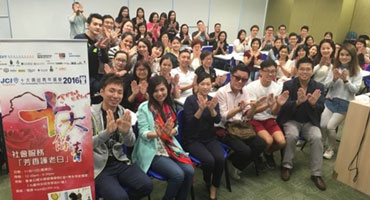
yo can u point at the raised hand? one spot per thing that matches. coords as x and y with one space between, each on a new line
242 105
344 75
211 104
282 98
124 123
158 129
168 126
220 80
312 98
260 101
336 74
121 73
143 86
301 96
271 99
102 43
202 102
134 87
175 80
114 35
108 69
325 61
132 51
111 125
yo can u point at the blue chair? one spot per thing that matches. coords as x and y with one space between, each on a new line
209 48
154 174
197 162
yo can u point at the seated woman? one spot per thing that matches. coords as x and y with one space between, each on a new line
274 51
166 66
201 112
156 147
126 44
153 26
240 44
166 42
196 46
363 56
140 31
127 26
120 64
157 53
143 52
220 48
324 60
139 85
309 41
184 36
300 52
253 58
172 26
140 17
312 51
206 58
284 65
175 50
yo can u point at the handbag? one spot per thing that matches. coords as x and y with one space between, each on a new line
240 129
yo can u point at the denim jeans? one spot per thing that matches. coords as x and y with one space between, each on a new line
112 182
179 177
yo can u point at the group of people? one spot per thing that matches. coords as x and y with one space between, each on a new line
301 89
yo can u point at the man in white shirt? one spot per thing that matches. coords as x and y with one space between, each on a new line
232 99
186 80
263 121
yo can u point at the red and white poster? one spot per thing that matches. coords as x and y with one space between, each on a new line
45 105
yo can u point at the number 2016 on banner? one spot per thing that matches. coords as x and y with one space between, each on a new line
75 80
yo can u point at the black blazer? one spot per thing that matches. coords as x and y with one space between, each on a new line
290 107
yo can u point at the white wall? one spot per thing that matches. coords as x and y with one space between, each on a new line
40 19
4 20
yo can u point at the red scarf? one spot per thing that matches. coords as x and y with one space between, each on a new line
173 151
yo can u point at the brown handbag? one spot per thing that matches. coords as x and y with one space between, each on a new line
240 129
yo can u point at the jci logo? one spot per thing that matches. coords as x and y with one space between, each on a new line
9 80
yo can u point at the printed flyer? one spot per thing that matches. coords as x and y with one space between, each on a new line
46 118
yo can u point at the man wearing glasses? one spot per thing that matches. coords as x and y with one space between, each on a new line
233 102
263 121
301 114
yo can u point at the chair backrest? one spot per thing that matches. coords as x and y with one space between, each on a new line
180 122
230 49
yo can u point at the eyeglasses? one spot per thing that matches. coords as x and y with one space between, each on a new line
238 78
272 72
121 60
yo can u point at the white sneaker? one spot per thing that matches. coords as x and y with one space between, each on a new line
234 172
328 154
299 143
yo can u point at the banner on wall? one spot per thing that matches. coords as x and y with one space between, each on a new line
46 118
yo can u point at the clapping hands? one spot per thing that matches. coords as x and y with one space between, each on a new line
122 124
203 103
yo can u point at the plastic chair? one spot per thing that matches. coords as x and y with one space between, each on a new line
197 162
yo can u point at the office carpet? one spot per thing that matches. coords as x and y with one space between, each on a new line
266 186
